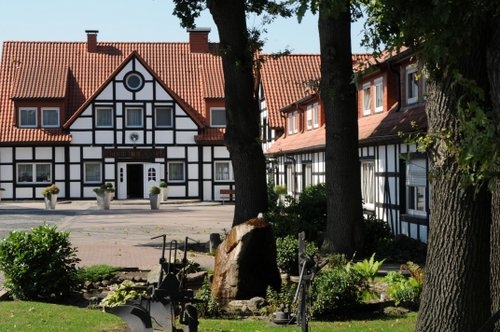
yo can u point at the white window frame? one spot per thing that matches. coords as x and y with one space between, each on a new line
368 183
307 175
290 122
85 171
170 173
46 109
367 99
99 110
411 84
379 94
34 167
219 176
29 109
170 111
217 125
309 117
295 122
416 183
134 108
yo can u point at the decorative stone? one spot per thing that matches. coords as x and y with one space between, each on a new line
245 262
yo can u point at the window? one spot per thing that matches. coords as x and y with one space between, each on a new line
176 171
163 117
411 85
27 117
34 173
151 174
290 179
218 117
223 171
290 123
309 116
104 117
368 183
379 95
366 99
134 81
92 172
307 175
50 117
416 181
133 117
316 115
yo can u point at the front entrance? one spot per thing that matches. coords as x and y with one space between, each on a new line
135 185
135 179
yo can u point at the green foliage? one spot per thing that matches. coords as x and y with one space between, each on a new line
287 250
123 293
334 288
276 300
209 307
96 273
377 236
154 190
40 264
163 184
406 291
50 190
404 248
105 187
368 268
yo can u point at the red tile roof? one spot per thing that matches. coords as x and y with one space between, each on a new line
382 127
173 63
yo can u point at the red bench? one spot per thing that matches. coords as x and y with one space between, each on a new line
227 194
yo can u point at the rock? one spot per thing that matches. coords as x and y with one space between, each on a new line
245 262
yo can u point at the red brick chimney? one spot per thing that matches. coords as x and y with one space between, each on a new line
198 40
92 40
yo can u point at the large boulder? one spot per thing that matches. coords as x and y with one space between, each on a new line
245 262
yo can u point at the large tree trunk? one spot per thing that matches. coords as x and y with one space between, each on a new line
344 209
242 136
493 65
456 288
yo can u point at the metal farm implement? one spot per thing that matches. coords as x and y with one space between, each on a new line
166 299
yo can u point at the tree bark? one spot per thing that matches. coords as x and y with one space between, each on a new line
456 287
242 136
344 209
493 65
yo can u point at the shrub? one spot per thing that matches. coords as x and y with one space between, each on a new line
123 293
208 306
404 248
40 264
154 190
163 184
334 288
287 250
96 273
406 291
278 301
50 190
105 187
377 236
368 268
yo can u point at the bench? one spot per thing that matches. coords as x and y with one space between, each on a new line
227 194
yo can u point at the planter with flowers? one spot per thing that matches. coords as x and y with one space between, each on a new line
104 194
50 196
163 191
154 197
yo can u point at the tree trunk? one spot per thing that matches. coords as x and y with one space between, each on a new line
456 292
344 209
493 65
242 136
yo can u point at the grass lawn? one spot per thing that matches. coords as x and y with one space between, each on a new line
37 316
400 324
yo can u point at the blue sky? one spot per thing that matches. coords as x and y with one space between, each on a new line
138 20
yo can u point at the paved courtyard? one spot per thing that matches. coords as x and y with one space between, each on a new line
121 236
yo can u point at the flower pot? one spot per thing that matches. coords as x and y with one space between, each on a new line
164 194
154 201
104 200
50 201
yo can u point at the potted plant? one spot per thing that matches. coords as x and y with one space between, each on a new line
154 197
164 191
1 192
103 195
50 196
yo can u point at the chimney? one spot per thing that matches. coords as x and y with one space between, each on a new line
198 40
92 40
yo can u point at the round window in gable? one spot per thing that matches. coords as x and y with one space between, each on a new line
134 81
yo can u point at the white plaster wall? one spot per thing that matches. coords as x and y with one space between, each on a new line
60 154
193 154
207 154
141 69
122 93
106 94
193 188
207 171
128 67
6 155
193 171
175 152
74 189
58 173
146 92
74 154
221 152
82 123
164 136
104 137
109 172
74 171
24 154
91 152
184 123
81 137
207 191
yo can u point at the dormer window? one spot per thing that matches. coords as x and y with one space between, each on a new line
218 117
379 95
50 117
366 99
293 122
411 85
27 117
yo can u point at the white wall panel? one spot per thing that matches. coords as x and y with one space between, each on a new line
122 93
175 152
6 173
106 94
161 94
74 189
92 152
193 153
74 172
59 173
185 123
207 154
6 155
193 171
141 69
74 154
193 188
146 93
104 137
81 137
82 123
164 137
24 154
207 191
60 156
185 137
221 152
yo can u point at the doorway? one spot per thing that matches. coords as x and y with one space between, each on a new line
135 183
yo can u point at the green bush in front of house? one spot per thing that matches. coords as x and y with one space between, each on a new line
39 265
